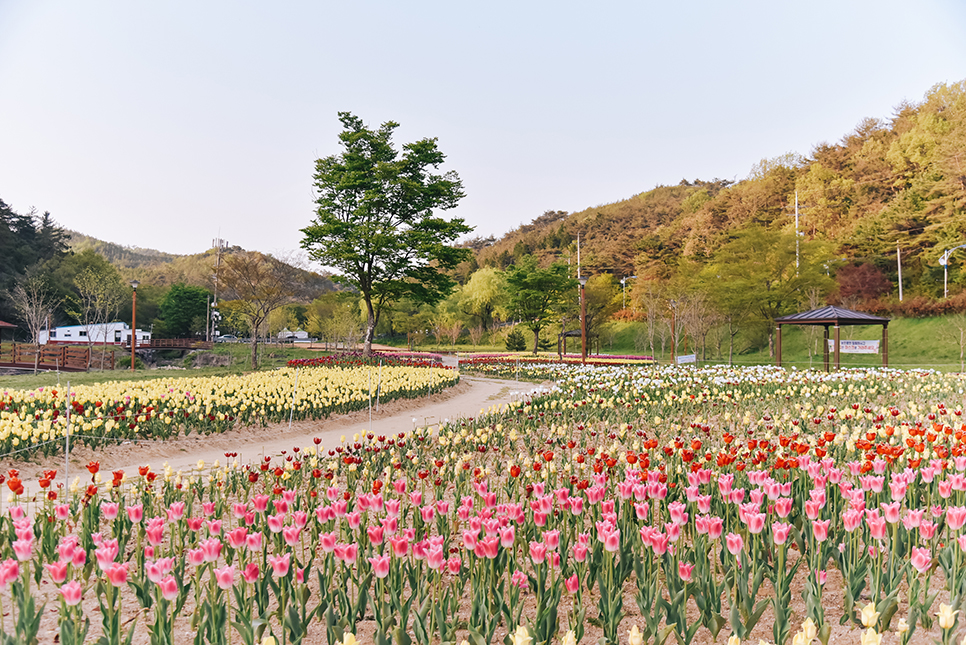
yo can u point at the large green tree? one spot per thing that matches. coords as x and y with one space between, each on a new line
536 294
184 310
375 219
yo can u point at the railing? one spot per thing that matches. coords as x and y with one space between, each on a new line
171 343
63 357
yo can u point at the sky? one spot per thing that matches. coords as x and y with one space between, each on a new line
164 125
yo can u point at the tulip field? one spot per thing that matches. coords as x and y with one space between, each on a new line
629 504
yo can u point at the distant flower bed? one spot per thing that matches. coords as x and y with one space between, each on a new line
528 366
358 359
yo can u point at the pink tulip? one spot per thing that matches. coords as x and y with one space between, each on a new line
211 548
812 509
291 535
453 565
519 579
23 549
250 574
955 517
400 545
427 513
891 512
820 530
62 512
551 539
783 506
734 543
354 519
117 574
684 570
72 592
195 557
79 558
237 537
851 519
9 571
351 553
780 532
327 541
715 527
260 503
208 508
109 510
57 571
612 541
416 498
225 577
175 511
945 488
921 559
135 513
380 566
491 547
572 583
756 522
538 552
877 527
280 564
214 527
927 529
281 506
194 524
508 536
276 522
239 510
169 588
435 557
154 534
660 542
580 552
253 541
961 540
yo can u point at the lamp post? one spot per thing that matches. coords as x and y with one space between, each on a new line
583 322
674 310
944 261
134 319
624 285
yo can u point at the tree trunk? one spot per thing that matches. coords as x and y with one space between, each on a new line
255 348
536 340
370 328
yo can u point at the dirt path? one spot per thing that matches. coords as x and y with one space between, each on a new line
468 399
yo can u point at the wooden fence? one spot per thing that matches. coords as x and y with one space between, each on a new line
68 358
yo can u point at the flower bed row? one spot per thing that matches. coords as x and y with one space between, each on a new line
698 493
37 421
359 359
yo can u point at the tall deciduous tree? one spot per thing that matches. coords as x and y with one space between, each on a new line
34 300
537 293
375 220
99 295
256 285
483 295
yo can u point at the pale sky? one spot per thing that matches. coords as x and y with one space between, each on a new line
166 124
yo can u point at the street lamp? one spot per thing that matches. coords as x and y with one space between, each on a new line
583 322
134 319
624 285
944 261
673 304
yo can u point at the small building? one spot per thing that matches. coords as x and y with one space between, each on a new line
113 333
296 336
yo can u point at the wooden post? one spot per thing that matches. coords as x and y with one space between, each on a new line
778 345
836 347
825 349
885 344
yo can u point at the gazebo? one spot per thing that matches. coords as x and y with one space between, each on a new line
833 317
5 325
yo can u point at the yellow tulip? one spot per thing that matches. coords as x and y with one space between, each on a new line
734 640
634 636
870 637
946 615
349 639
869 615
569 638
521 636
809 629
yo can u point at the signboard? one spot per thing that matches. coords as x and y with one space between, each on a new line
687 358
855 346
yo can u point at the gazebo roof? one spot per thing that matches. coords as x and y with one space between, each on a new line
6 325
831 315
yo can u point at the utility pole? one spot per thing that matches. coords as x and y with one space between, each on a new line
796 234
220 245
899 262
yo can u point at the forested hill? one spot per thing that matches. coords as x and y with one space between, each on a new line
890 183
128 257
